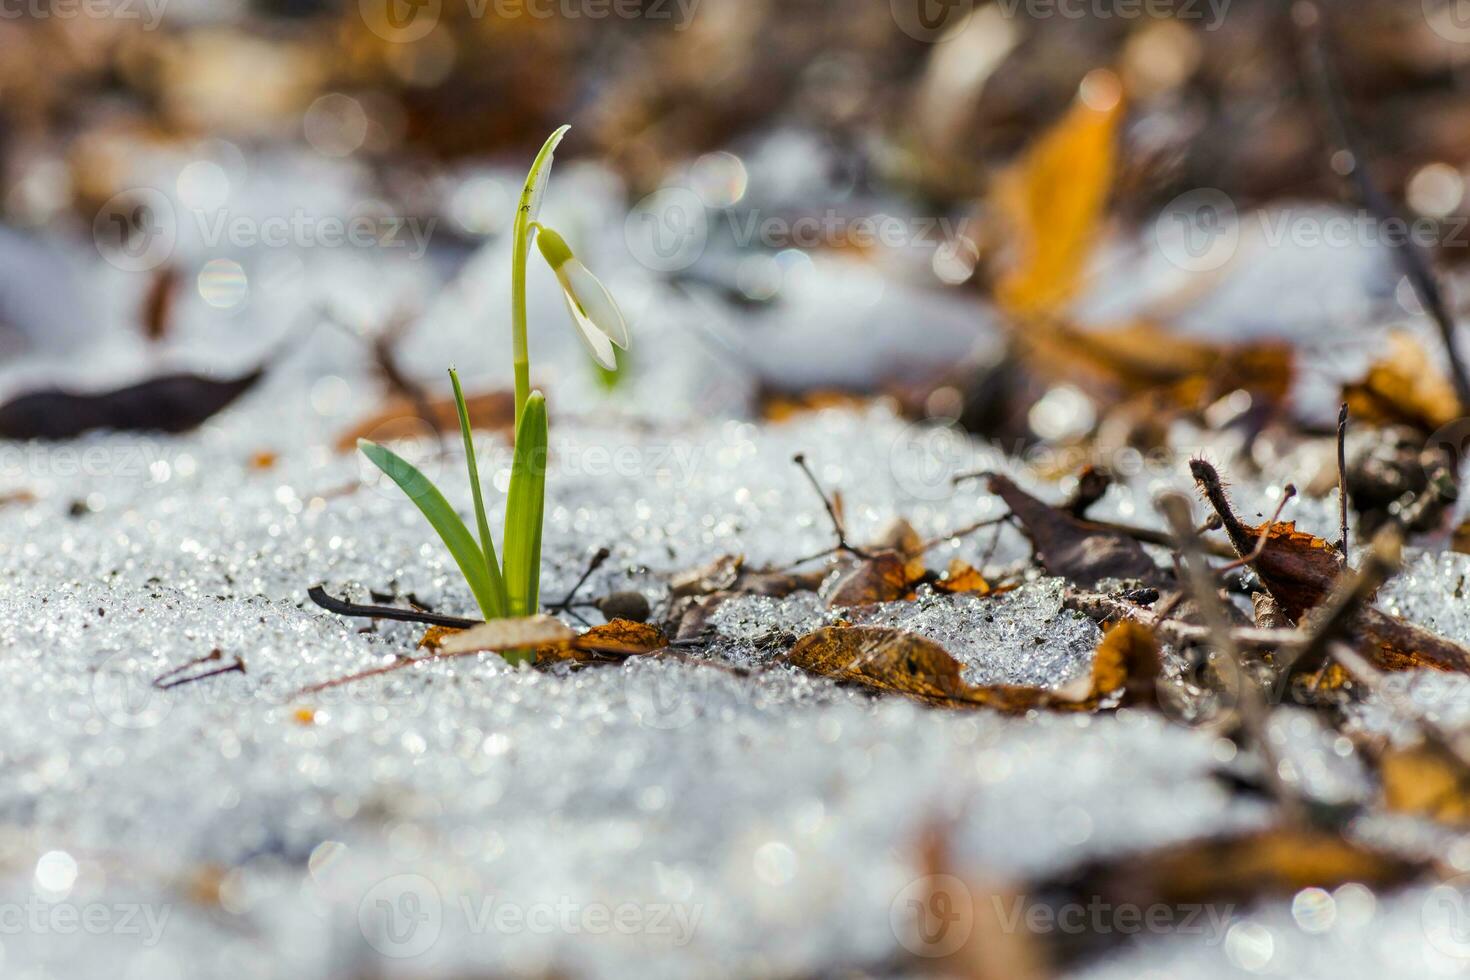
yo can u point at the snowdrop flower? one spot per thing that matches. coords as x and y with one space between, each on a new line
599 322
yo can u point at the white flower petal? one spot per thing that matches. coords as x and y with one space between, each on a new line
596 342
596 302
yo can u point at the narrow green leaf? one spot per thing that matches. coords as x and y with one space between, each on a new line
487 543
427 498
524 509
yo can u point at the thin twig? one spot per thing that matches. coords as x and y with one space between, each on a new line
213 656
962 532
1265 536
1101 606
1251 701
842 543
319 595
1342 489
1323 78
601 556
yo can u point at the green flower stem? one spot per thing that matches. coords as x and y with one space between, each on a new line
522 246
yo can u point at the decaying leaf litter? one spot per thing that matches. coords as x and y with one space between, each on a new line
1124 714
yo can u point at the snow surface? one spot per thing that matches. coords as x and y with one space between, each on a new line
467 819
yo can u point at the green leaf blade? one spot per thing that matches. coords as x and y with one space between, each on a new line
525 509
441 516
487 543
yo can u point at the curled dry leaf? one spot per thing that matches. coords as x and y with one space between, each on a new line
892 660
1405 387
1080 552
500 635
1297 569
401 418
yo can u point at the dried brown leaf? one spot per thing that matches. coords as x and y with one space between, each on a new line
1080 552
882 578
904 663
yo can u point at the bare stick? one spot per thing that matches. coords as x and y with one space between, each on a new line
1342 491
170 678
842 543
319 595
597 560
1322 76
1251 702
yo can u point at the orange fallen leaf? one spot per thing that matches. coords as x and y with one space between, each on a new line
963 577
264 460
1053 200
622 638
435 636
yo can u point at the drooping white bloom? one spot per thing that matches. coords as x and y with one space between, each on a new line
598 320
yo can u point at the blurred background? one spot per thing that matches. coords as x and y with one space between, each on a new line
176 174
